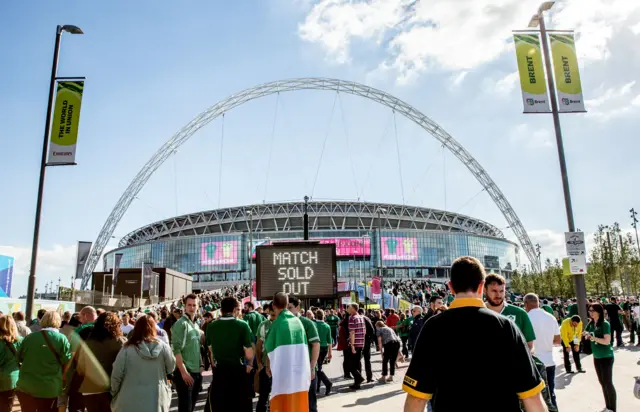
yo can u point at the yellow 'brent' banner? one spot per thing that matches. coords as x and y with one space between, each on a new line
565 68
66 117
531 69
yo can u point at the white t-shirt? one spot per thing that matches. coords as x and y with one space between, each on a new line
546 327
126 329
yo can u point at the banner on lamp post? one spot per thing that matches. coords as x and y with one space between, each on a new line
531 69
117 258
567 74
81 259
66 119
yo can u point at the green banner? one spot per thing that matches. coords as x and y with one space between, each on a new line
567 74
531 70
66 118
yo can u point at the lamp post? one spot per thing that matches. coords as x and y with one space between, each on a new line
538 254
380 210
634 224
31 288
250 257
538 19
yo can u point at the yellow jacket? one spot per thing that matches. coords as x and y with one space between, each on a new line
569 333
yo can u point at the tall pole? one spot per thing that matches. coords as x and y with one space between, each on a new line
305 218
380 257
634 223
581 290
250 257
609 262
539 254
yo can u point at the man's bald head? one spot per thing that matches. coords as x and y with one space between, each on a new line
531 301
88 314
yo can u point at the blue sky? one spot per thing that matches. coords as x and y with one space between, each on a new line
153 66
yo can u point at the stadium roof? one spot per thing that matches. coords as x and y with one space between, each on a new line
323 215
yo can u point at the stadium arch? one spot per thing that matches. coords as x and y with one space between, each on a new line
312 83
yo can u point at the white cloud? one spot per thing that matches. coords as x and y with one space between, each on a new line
458 79
635 29
453 35
504 86
613 102
525 136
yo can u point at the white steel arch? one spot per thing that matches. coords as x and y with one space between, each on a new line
312 83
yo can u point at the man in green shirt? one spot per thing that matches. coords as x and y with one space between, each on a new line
261 354
231 347
253 318
545 306
185 343
572 310
333 321
495 290
314 349
326 343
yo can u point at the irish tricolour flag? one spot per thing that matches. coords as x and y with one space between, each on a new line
289 361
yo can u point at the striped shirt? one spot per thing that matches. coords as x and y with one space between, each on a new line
356 324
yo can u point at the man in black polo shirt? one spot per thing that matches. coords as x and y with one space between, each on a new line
458 376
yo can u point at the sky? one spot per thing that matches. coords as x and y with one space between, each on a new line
153 66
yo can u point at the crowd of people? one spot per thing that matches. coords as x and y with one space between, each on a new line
97 360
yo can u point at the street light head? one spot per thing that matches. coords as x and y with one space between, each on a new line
69 28
547 5
535 20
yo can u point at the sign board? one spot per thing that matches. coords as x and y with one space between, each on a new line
346 300
307 270
578 264
575 244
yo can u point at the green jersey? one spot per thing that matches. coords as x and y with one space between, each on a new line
41 373
601 351
228 337
404 327
9 366
311 332
333 321
573 310
263 332
549 310
254 319
324 333
521 319
185 341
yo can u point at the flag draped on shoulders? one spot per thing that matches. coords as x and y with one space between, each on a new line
289 362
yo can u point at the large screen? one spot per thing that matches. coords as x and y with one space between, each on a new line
307 270
345 246
399 248
219 253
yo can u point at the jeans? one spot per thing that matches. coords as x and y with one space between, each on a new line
321 376
355 367
405 349
99 402
616 329
366 354
389 355
313 397
334 336
264 391
551 383
604 370
33 404
187 395
567 361
6 400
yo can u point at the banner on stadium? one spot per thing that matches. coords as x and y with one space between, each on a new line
404 305
117 258
567 74
147 274
531 70
360 293
81 259
375 285
66 118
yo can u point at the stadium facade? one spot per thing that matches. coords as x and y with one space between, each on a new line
405 241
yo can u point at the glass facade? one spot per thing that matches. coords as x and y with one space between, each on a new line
402 253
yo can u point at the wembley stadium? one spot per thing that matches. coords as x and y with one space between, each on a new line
398 241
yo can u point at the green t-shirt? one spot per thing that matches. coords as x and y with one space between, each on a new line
185 341
254 319
601 351
41 374
548 309
311 331
9 367
263 332
521 319
228 337
324 333
333 321
572 310
405 327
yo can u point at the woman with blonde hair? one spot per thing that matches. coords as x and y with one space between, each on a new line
9 365
142 367
45 355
